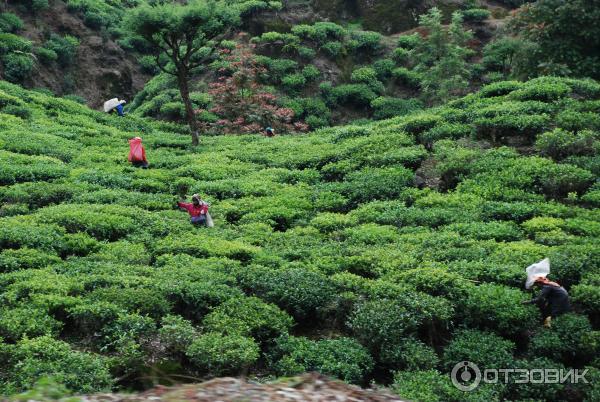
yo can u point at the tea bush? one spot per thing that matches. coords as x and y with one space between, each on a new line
342 357
384 249
223 354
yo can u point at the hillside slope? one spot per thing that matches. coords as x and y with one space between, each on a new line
101 69
328 252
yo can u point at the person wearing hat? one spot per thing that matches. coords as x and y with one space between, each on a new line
115 104
553 300
137 153
198 210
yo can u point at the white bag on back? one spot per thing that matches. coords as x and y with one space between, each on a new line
537 270
209 221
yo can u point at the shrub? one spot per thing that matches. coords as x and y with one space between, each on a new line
476 14
404 76
301 293
385 108
46 56
364 75
135 300
343 358
27 322
20 111
370 184
332 49
433 386
559 144
384 323
365 41
383 68
176 333
306 53
498 308
411 355
358 95
293 82
25 258
316 122
39 5
568 339
65 48
17 67
485 349
10 23
310 72
80 372
248 317
409 41
223 354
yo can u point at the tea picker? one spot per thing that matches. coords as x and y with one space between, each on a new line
114 104
553 299
137 153
198 210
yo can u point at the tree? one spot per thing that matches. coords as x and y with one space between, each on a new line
241 104
180 36
567 33
442 56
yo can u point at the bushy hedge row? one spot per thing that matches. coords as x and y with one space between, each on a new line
327 253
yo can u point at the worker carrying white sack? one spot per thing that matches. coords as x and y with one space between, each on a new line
114 104
553 299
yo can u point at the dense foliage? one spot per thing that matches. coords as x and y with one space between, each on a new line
328 253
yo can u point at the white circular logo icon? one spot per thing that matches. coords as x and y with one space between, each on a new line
466 376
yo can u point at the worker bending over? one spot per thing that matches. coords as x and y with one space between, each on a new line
198 210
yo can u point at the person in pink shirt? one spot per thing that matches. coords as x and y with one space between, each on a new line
198 210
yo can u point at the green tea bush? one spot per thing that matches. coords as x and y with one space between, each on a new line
476 14
25 258
365 41
357 95
342 358
223 354
383 68
384 323
65 48
176 333
27 322
498 308
570 340
559 144
409 41
409 78
370 184
17 67
301 293
332 49
411 355
10 23
79 371
385 107
139 300
248 317
485 349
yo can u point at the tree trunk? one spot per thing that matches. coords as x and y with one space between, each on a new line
189 110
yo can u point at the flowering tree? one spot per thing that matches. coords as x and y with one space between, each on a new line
239 101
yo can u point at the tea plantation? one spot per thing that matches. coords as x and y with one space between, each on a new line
383 252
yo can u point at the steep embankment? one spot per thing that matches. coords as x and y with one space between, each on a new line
100 70
326 254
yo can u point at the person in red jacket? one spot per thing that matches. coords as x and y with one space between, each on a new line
198 210
137 153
